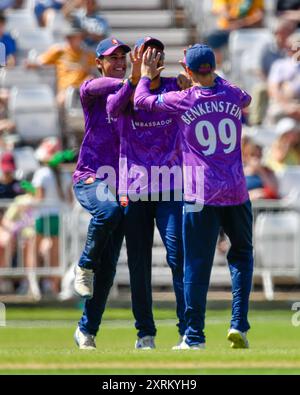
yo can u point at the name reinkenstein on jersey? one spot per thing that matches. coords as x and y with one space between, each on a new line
210 107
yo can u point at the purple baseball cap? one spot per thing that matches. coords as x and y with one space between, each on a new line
200 58
148 41
109 45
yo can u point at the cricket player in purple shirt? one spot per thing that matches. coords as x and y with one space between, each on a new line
96 269
209 118
148 140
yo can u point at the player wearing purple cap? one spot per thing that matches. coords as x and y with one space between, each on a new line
149 140
99 150
209 118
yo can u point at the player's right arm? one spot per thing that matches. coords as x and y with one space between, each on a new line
117 102
99 87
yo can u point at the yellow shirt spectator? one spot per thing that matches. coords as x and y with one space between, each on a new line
72 66
231 11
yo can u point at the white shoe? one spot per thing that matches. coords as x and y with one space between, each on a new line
238 339
184 346
178 344
145 343
84 282
84 341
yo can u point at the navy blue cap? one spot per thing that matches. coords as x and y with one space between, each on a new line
200 58
109 45
148 41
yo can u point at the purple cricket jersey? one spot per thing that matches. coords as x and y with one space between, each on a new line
100 145
210 122
148 140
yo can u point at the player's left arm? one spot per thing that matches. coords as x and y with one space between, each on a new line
244 97
144 100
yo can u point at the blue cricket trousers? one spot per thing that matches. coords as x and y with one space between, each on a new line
102 247
200 234
139 231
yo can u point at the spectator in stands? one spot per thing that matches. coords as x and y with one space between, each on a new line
9 186
261 180
9 42
73 64
238 14
285 150
49 192
6 124
284 83
43 8
4 4
94 26
9 189
18 225
269 53
290 9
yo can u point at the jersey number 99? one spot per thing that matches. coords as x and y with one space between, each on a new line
207 136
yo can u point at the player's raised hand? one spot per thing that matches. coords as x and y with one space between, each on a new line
136 61
182 61
184 79
150 61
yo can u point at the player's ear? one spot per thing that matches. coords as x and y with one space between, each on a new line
99 64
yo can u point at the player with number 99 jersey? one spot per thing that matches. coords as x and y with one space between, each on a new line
210 121
209 117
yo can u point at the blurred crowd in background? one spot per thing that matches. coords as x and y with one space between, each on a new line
268 66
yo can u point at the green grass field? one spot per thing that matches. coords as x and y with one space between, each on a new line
40 341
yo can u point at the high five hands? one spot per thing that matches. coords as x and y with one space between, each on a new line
136 62
150 60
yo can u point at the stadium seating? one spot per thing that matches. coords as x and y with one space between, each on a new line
167 36
174 54
130 4
25 161
289 184
56 26
34 112
37 39
244 51
277 247
74 118
140 19
20 20
263 135
14 77
277 238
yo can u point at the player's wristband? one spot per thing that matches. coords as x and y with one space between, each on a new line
131 83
